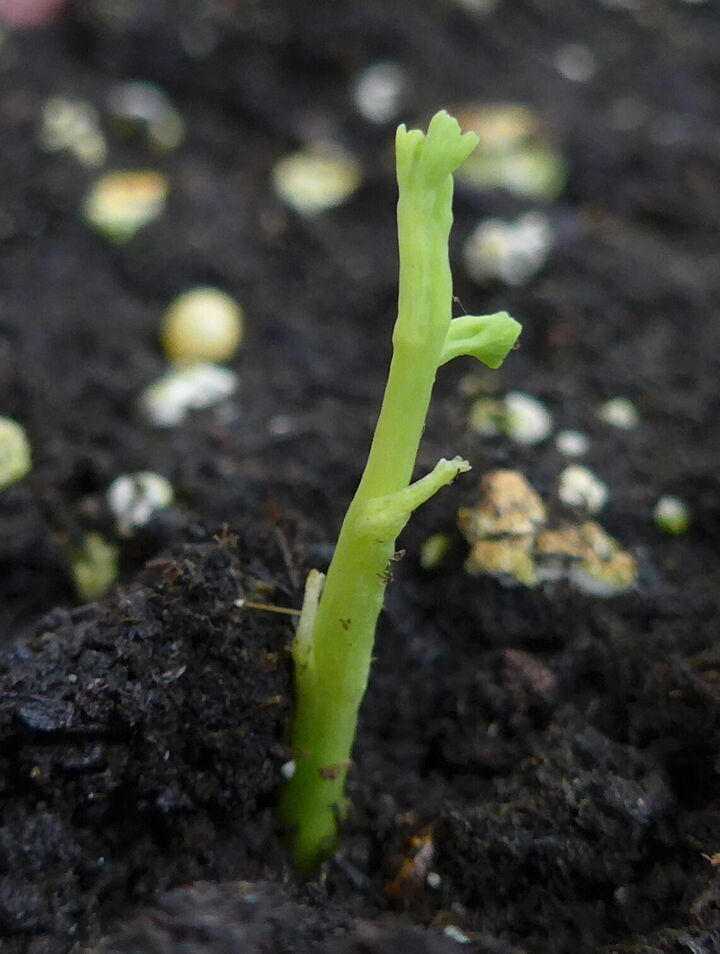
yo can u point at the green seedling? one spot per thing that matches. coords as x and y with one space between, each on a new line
334 640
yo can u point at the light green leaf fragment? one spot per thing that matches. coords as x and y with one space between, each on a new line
489 338
434 550
94 566
15 458
302 644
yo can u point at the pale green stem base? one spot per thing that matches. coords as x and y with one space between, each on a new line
325 723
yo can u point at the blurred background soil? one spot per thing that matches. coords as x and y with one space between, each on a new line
536 768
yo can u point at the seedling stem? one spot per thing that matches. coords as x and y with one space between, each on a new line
334 641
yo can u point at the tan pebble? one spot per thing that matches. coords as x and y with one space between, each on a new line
202 324
509 558
507 505
593 560
121 203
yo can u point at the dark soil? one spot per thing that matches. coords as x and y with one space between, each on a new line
551 758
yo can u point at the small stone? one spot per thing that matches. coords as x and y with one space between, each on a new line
143 105
378 90
592 560
121 203
500 528
167 402
528 421
513 153
509 538
81 758
288 769
511 252
312 181
15 457
575 62
672 515
619 412
72 125
579 487
510 559
45 715
202 324
507 505
135 498
606 568
572 443
456 934
94 567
